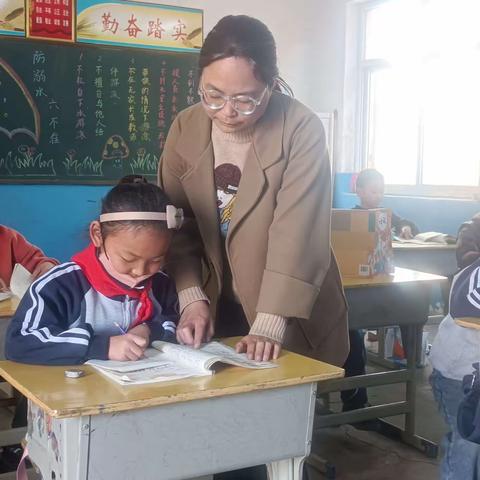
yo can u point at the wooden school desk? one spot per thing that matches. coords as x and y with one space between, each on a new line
8 307
387 300
428 257
7 310
9 436
91 428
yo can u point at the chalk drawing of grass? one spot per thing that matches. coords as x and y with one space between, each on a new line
83 168
144 164
26 163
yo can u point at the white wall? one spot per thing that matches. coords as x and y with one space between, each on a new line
310 36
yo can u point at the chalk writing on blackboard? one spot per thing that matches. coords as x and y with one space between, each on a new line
83 114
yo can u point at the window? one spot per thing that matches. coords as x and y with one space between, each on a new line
420 90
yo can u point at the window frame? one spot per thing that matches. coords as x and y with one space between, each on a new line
365 69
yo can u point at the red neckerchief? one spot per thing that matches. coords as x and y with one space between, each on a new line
102 282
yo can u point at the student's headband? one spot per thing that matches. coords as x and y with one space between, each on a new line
173 216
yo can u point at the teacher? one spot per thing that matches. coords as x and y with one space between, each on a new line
250 167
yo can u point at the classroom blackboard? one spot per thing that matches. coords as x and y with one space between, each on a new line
81 114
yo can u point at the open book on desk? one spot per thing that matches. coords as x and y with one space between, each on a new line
429 238
167 361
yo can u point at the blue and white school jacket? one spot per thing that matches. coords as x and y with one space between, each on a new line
62 320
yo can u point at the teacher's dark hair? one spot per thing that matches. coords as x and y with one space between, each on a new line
245 37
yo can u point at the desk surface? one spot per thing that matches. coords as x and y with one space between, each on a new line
423 246
401 275
8 307
93 394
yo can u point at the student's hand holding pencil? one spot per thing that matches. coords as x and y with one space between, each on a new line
126 347
142 330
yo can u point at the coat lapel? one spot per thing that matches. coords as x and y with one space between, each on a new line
198 182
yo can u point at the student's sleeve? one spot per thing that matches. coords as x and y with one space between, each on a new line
398 223
298 255
186 251
27 254
49 327
465 292
164 326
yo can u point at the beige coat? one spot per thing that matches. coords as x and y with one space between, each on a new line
278 241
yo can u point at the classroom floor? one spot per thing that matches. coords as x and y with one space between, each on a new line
362 455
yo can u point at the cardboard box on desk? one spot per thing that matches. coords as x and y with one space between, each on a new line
362 241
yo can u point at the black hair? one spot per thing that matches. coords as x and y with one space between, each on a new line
367 177
133 179
245 37
135 196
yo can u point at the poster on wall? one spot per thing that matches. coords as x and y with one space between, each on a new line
136 24
50 20
12 17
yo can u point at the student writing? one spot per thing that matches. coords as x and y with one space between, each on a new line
72 313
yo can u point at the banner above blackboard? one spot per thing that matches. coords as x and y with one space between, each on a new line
137 24
80 114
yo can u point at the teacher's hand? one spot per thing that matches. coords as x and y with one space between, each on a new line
196 324
259 348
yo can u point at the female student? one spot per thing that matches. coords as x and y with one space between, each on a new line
249 166
112 300
14 248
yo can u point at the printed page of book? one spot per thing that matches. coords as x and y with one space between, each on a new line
188 356
209 354
228 355
163 372
5 296
154 367
20 281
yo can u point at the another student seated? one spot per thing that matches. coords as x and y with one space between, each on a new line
370 188
14 248
112 300
453 352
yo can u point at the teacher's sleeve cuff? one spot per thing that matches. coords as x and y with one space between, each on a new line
287 296
191 295
270 326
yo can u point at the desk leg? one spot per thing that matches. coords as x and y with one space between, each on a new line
289 469
412 333
411 388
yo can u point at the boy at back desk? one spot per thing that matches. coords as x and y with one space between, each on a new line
370 188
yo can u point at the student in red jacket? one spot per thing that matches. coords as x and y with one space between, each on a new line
14 248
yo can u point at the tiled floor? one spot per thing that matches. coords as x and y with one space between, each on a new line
360 455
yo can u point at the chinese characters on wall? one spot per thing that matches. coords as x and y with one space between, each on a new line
50 19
